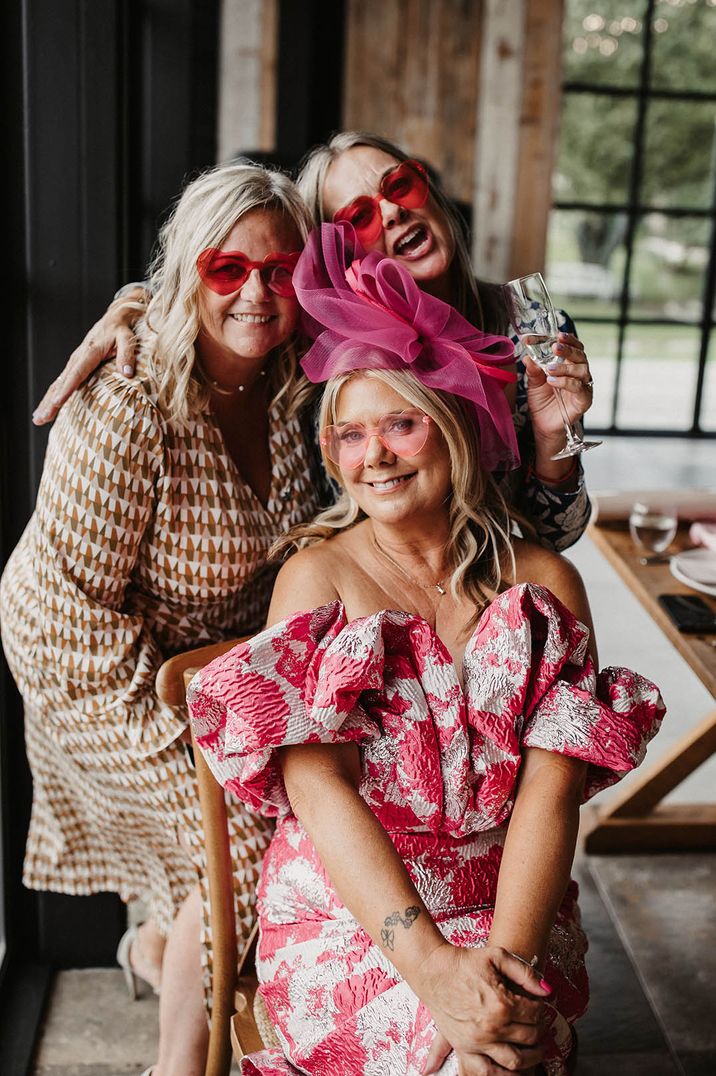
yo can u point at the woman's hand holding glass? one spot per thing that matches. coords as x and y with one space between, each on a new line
487 1005
568 371
558 365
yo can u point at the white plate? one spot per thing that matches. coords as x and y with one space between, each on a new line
697 569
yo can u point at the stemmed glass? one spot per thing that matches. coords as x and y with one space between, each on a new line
653 524
532 314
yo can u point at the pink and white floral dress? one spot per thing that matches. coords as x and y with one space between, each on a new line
439 767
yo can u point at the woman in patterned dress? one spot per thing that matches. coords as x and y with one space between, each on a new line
159 500
551 494
422 716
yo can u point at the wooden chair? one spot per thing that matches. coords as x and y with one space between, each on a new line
234 983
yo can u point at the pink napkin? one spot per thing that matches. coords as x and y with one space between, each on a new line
703 534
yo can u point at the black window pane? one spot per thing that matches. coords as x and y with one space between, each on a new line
658 377
596 149
683 45
708 398
585 261
668 267
600 343
603 41
679 153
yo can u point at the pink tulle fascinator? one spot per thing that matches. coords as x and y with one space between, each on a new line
365 311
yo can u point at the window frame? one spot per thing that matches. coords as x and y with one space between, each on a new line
635 210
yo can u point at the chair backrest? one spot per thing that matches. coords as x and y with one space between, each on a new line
174 675
171 683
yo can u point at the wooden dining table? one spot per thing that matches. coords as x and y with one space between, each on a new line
636 820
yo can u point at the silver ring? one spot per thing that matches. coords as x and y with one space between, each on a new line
589 384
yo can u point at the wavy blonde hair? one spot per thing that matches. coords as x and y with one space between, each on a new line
206 212
481 521
477 301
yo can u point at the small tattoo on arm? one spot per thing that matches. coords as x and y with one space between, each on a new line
387 934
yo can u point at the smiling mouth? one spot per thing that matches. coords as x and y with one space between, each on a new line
387 484
411 243
253 319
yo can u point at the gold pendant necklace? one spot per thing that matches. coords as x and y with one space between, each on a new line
439 586
223 391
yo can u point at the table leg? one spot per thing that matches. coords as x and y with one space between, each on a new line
633 822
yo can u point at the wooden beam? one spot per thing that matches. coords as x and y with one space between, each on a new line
657 781
247 83
498 137
538 131
672 828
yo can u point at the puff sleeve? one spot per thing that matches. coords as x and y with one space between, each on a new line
285 686
532 683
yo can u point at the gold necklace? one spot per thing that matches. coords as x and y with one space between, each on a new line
416 582
220 389
223 391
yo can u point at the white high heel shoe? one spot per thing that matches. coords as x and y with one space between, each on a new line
131 977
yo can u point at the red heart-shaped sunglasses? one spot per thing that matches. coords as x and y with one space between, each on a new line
226 271
405 185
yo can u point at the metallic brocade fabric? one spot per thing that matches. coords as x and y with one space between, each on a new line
439 769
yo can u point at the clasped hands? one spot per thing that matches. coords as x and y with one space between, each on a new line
488 1008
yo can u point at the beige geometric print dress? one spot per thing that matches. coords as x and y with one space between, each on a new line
145 541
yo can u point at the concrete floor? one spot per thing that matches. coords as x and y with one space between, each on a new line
651 919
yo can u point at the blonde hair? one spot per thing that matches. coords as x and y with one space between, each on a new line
311 183
481 521
206 212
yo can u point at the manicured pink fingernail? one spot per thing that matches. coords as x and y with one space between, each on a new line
545 985
127 371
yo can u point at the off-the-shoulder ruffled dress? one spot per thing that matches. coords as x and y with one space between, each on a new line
439 768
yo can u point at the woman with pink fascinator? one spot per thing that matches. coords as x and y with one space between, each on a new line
422 716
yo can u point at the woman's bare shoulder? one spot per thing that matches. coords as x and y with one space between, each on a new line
535 564
309 578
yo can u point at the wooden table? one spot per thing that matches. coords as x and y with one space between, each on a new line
634 821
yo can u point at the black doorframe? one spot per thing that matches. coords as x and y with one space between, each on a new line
109 105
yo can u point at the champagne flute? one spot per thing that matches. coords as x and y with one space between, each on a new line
532 314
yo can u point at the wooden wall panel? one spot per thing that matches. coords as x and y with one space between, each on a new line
475 88
247 81
412 73
497 149
539 127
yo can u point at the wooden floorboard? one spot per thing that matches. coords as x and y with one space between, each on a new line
665 906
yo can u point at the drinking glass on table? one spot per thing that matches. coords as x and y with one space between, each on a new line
532 314
652 525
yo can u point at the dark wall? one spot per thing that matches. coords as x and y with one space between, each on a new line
311 47
109 104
